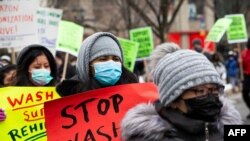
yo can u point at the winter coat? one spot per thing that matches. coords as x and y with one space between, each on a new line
74 85
221 69
246 61
143 123
232 67
71 86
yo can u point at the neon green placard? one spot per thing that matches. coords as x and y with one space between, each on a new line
237 31
130 50
218 29
145 39
70 37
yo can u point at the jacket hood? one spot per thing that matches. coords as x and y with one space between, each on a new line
82 64
143 120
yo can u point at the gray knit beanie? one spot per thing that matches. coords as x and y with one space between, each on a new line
105 45
181 70
96 45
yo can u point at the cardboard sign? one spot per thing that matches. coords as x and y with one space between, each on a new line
18 23
94 115
237 31
25 112
70 37
144 37
218 30
48 23
130 50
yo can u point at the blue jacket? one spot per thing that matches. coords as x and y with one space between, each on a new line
232 67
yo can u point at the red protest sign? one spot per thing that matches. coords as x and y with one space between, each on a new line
94 115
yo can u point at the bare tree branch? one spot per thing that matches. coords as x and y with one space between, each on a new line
149 2
174 15
90 26
141 13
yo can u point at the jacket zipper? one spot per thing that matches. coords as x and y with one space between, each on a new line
206 132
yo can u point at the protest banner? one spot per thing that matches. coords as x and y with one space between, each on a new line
70 37
18 23
237 31
130 50
25 113
144 37
48 20
94 115
218 30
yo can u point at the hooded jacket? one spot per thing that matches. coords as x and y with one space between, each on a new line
80 82
142 123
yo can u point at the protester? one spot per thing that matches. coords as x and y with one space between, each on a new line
7 74
197 46
36 66
219 66
73 61
232 68
99 65
70 71
246 71
190 106
5 60
139 69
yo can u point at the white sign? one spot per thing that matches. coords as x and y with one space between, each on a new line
18 23
48 24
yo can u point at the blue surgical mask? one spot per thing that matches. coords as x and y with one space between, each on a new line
108 73
41 76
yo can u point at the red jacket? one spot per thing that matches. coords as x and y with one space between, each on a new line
245 54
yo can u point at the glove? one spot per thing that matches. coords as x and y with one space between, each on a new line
2 115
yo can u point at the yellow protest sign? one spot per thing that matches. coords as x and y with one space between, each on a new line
25 112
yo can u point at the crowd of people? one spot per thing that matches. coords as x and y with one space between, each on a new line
190 85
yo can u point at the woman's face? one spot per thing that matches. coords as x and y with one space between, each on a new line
40 62
195 92
102 59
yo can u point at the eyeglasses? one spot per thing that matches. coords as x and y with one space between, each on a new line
205 91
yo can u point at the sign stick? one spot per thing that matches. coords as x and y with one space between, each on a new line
65 66
13 56
240 62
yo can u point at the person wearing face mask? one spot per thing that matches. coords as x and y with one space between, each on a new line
36 66
190 105
99 64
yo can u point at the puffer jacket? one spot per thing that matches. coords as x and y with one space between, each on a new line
143 123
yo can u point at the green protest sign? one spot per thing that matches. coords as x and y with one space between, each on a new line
130 50
70 37
218 30
145 39
237 31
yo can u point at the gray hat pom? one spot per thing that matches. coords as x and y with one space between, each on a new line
181 70
159 52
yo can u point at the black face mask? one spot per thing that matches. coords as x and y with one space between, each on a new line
204 108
